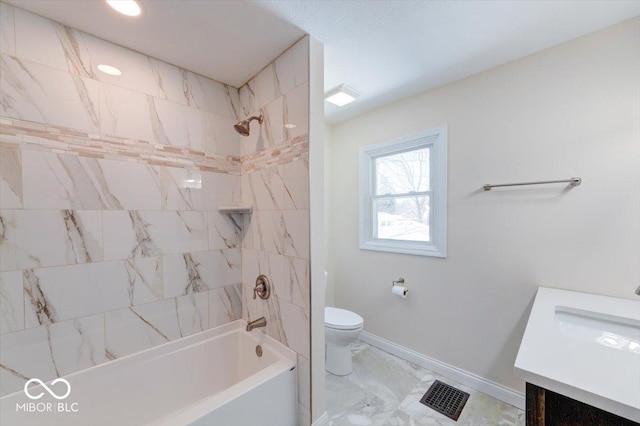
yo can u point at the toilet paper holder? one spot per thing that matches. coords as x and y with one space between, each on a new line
398 281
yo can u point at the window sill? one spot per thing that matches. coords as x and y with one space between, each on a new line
404 247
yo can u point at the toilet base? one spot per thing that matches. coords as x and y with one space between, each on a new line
338 360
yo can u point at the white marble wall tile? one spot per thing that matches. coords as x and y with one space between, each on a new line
201 271
251 308
272 128
139 72
136 186
225 230
142 327
284 119
260 263
172 83
295 178
296 112
181 188
296 233
234 102
304 415
268 134
193 313
304 381
39 93
221 99
219 188
225 305
7 30
275 327
248 98
286 71
50 43
264 230
187 88
292 67
255 263
300 52
251 266
127 332
67 292
273 266
150 233
38 238
255 142
182 86
11 302
221 138
295 322
266 86
126 114
59 181
178 125
264 189
10 178
297 280
50 351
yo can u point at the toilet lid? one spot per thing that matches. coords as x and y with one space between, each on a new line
341 319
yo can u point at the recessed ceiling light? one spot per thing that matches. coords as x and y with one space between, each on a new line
341 95
289 126
108 69
126 7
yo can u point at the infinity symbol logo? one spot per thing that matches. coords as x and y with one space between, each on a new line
51 392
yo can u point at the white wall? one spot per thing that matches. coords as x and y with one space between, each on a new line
572 110
317 226
330 292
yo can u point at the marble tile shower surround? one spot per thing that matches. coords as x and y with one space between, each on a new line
110 237
275 180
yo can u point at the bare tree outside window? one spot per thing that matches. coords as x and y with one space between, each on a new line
402 195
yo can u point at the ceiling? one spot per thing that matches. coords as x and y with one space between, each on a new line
387 50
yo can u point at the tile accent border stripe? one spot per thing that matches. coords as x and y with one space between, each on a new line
295 149
63 140
478 383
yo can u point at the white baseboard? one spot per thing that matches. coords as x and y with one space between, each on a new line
478 383
323 420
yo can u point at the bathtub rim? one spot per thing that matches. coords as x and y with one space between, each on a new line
287 361
183 343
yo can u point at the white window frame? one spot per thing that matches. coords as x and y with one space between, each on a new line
436 140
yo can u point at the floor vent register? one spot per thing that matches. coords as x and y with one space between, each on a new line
445 399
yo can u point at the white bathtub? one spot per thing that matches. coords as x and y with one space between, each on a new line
211 378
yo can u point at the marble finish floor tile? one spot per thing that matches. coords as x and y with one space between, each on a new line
384 390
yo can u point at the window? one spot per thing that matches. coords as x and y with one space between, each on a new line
403 189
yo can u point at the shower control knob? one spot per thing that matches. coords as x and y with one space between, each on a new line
262 288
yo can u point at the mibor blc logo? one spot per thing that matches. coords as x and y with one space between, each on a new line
48 389
59 392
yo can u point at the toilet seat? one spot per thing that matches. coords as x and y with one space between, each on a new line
341 319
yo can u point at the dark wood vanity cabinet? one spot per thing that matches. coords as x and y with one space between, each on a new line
547 408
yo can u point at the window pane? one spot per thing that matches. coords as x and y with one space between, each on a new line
403 218
403 173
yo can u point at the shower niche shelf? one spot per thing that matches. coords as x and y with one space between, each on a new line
235 208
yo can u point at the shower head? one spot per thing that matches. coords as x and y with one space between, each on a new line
242 127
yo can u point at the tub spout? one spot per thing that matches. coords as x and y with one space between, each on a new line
260 322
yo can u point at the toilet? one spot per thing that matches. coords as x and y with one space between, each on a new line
341 327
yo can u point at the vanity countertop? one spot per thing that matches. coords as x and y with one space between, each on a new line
586 347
